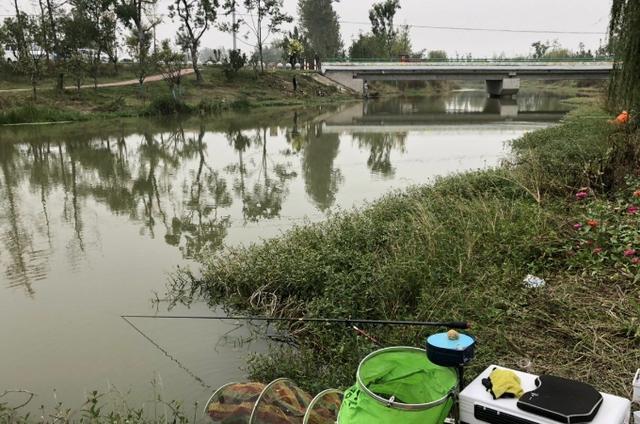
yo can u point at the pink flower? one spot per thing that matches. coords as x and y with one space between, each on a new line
630 252
597 250
635 260
577 226
632 210
582 195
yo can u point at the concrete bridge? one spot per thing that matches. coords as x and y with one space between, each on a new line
502 77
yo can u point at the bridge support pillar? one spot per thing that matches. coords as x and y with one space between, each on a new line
504 87
346 79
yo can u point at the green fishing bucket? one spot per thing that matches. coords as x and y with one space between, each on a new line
399 385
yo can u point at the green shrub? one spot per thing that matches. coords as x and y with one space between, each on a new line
233 63
167 105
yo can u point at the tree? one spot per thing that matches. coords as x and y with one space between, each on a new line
232 63
294 46
196 17
382 17
170 64
320 25
25 32
374 46
266 18
92 29
51 14
540 48
385 40
133 14
437 55
624 35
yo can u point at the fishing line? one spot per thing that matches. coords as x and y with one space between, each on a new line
168 355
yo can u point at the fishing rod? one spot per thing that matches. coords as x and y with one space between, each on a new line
459 325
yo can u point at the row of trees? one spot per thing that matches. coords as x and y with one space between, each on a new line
553 50
73 37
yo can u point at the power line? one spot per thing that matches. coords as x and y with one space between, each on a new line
453 28
447 28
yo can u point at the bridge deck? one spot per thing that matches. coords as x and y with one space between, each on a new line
472 70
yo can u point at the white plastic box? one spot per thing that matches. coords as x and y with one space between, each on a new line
636 387
614 410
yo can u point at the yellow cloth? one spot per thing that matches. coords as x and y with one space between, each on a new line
505 381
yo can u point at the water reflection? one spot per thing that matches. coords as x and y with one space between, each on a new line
464 108
190 183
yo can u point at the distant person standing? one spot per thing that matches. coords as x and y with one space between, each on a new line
365 89
295 84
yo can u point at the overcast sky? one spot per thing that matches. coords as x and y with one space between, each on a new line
539 15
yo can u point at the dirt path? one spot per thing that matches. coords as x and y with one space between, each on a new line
151 78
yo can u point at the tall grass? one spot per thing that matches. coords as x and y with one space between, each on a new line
457 249
30 113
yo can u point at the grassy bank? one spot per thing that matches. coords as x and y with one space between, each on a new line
459 249
215 94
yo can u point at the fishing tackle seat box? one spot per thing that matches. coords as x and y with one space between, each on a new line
477 406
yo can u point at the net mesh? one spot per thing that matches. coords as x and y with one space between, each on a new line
282 402
233 403
324 408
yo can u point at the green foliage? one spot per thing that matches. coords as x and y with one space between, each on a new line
296 48
374 46
437 55
268 17
171 64
232 64
624 34
167 105
24 32
320 25
382 17
582 152
385 40
133 14
540 49
195 17
33 113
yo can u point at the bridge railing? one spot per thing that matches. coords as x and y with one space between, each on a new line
472 60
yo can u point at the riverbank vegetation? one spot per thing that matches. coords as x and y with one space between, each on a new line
563 208
216 93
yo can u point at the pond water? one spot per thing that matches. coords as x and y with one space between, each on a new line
94 217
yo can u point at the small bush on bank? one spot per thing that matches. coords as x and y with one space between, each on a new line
167 105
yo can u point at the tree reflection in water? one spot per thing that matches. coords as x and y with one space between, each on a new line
321 178
380 146
263 195
170 179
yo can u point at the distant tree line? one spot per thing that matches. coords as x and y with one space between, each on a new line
72 38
